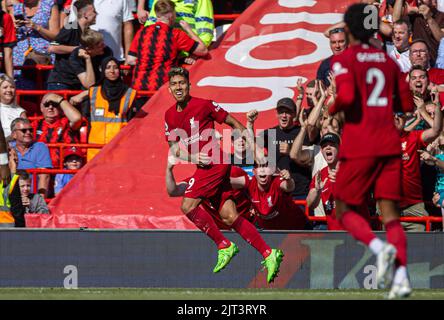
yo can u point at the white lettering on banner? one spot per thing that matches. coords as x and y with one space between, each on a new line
71 280
322 262
280 87
313 18
239 54
297 4
370 280
351 280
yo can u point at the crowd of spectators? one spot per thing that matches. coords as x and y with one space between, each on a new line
88 41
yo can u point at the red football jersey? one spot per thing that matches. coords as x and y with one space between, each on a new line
274 207
369 90
194 126
240 196
411 142
328 200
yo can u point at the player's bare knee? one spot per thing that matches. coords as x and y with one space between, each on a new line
228 212
188 206
389 210
229 219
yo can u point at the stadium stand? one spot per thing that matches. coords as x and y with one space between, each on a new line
223 54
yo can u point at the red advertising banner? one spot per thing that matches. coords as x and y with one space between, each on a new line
257 62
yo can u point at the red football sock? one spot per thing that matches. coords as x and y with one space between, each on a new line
357 226
204 221
397 237
251 235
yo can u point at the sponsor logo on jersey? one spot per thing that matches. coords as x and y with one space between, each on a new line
404 145
269 202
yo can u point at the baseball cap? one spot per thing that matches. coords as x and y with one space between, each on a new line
286 103
69 151
330 137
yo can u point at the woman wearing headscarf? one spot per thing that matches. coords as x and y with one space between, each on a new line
111 105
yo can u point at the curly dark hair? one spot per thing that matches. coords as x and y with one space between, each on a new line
179 71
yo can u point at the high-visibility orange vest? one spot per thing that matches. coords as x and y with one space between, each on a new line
105 124
6 218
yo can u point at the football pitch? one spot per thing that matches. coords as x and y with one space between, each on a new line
205 294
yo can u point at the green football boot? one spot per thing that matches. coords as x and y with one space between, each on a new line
272 263
224 256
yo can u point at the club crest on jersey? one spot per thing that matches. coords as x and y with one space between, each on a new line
216 105
404 145
338 69
269 202
192 123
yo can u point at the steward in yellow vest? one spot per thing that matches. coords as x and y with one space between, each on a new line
11 208
198 14
111 106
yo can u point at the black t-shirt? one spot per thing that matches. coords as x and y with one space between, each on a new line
66 37
17 208
301 175
323 70
77 66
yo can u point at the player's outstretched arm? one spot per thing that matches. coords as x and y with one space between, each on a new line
234 123
238 182
173 189
198 158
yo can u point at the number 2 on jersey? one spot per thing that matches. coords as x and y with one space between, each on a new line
375 99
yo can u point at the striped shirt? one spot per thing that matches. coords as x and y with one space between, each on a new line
57 132
156 48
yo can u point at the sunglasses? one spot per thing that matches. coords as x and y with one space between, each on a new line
24 130
336 30
47 104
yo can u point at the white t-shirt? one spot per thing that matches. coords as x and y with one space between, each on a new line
402 59
111 14
9 113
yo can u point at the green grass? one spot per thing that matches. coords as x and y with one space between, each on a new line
204 294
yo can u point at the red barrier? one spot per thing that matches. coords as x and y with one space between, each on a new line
68 93
428 220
